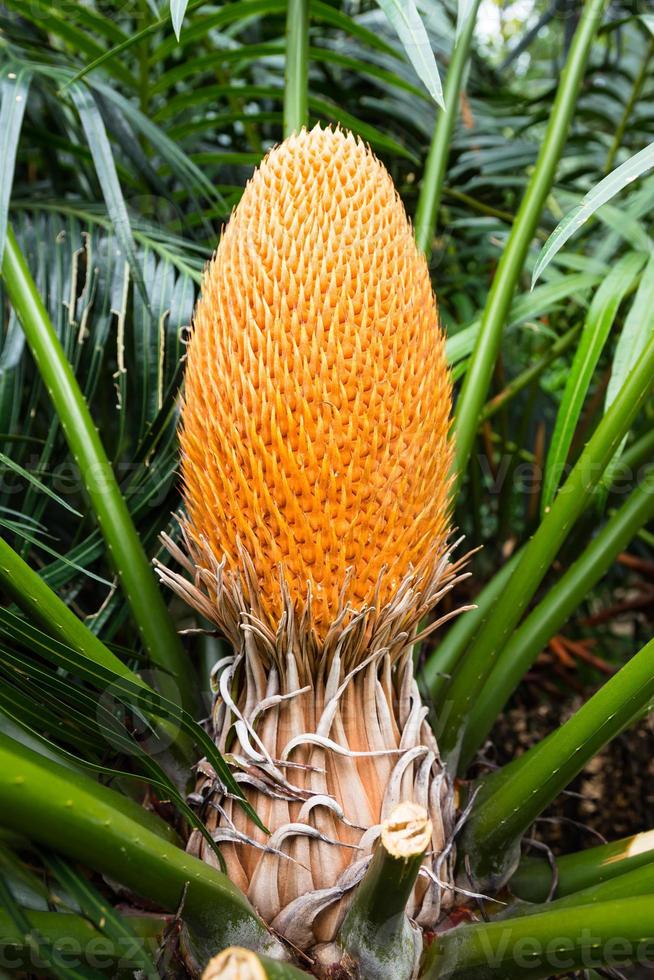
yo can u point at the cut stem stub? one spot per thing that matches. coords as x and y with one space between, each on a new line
236 963
376 933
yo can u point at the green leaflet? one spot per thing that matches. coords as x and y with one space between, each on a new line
406 22
636 332
105 167
177 11
599 321
606 189
14 91
101 914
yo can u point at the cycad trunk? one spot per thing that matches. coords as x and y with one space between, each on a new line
326 737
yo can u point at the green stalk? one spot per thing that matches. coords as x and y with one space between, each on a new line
609 887
376 933
83 653
131 563
539 553
431 188
296 86
482 363
74 937
547 618
575 872
450 650
98 827
638 881
131 810
612 933
436 671
511 799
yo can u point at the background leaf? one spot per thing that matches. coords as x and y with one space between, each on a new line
404 16
599 321
13 93
606 189
177 11
464 10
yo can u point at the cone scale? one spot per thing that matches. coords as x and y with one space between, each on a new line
315 460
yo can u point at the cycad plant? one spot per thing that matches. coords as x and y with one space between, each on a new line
306 789
315 462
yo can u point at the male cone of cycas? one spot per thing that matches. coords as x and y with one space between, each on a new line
315 425
315 461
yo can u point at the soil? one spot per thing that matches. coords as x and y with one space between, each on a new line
612 797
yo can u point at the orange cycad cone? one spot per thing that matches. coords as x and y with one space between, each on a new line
317 407
315 461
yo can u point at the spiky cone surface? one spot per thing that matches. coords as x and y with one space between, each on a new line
315 460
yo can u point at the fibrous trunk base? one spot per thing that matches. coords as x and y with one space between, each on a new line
326 737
